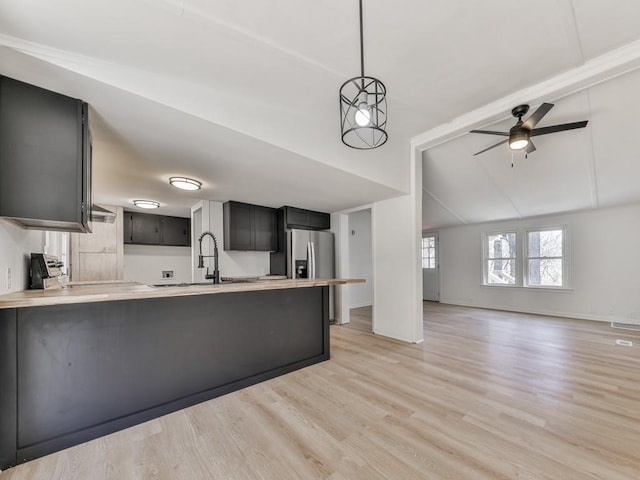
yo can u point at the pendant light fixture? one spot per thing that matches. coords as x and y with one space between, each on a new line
363 108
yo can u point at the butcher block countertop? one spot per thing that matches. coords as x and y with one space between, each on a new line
109 291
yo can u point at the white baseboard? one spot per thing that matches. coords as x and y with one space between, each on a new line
361 304
536 311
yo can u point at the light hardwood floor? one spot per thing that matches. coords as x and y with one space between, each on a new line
488 395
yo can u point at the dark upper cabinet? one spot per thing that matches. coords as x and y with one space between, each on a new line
176 231
45 158
265 228
239 226
249 227
148 229
306 219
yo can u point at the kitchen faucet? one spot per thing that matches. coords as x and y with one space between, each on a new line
216 273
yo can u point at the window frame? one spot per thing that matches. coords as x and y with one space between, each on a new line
525 257
486 258
432 248
521 262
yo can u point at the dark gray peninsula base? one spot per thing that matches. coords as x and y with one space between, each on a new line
71 373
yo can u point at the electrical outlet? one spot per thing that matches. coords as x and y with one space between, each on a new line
167 274
8 279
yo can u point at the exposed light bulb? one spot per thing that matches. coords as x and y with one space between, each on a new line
363 115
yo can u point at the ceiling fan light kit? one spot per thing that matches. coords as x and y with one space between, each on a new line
520 134
363 108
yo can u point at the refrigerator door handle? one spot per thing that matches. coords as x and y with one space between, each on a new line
313 260
309 261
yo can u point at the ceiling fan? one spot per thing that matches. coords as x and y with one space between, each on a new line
520 134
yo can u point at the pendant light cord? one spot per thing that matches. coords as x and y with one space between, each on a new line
361 44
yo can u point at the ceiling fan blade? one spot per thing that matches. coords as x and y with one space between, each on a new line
558 128
491 132
536 116
530 147
492 146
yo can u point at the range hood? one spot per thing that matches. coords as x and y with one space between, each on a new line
102 215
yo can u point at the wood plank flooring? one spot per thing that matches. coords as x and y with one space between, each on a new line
488 395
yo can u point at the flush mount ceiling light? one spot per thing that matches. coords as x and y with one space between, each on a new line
184 183
146 204
363 108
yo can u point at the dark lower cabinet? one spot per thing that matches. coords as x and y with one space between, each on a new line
148 229
71 373
249 227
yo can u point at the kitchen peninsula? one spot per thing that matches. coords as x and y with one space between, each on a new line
81 362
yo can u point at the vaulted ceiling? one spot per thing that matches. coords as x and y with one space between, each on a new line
243 96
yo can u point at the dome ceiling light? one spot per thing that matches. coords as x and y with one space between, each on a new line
148 204
184 183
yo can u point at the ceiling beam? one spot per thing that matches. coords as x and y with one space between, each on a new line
597 70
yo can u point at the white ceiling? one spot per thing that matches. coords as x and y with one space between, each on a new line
243 96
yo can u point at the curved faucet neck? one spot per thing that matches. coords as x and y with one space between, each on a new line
215 242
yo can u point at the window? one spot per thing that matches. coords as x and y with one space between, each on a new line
500 258
533 258
429 252
545 258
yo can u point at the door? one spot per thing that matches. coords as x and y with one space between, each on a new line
430 267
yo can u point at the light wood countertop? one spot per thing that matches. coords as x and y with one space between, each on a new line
105 292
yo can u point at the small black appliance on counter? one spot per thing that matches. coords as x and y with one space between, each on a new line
45 271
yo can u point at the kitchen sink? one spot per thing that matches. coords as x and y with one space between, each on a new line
222 282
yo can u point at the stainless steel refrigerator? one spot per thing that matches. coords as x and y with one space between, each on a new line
310 254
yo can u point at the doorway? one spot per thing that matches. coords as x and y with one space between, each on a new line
430 267
361 266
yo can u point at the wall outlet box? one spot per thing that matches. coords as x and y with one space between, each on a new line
167 274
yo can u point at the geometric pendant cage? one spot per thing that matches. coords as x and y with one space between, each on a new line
363 108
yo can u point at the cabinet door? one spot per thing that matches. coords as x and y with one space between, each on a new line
296 217
265 228
41 156
176 231
87 153
144 229
319 220
238 226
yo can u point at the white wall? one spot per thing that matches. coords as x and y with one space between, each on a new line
360 258
16 245
232 263
145 263
604 249
397 269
